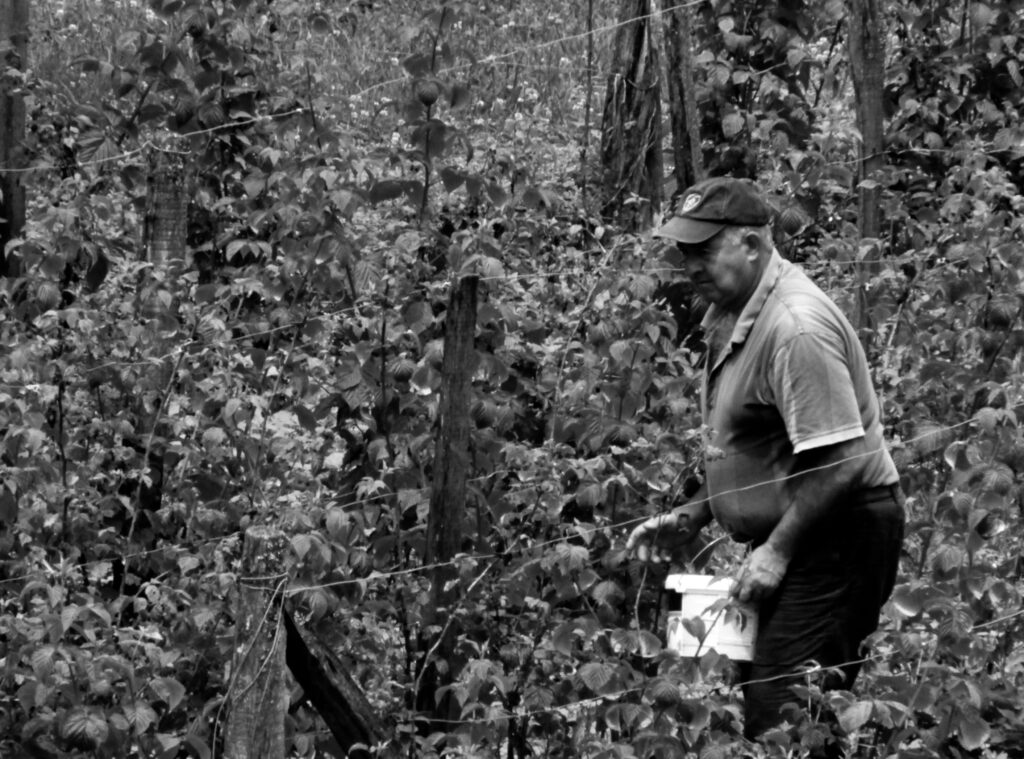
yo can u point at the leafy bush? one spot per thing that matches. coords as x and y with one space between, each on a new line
346 163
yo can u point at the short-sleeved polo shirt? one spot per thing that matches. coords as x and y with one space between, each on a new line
792 377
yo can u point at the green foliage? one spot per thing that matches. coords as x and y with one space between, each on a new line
346 162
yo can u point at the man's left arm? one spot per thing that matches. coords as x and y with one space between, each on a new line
824 476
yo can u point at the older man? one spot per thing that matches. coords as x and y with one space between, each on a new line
800 471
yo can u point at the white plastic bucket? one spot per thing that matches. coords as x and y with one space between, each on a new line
729 628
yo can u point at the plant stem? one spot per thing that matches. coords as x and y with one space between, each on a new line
59 378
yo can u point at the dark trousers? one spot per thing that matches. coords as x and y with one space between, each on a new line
827 604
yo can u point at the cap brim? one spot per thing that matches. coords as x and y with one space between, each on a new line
689 231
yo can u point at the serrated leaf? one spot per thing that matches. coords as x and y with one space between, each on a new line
996 478
140 716
974 732
409 242
625 716
497 194
211 114
596 675
68 615
302 544
418 315
607 592
930 437
365 276
664 691
855 716
573 557
591 494
169 690
85 728
732 125
650 644
42 660
642 286
948 558
563 637
987 418
487 267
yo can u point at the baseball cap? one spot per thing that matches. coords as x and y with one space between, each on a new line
708 207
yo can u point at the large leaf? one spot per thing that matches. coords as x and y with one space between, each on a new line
169 690
596 675
140 716
855 716
84 728
974 731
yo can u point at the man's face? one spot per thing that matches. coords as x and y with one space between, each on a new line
725 270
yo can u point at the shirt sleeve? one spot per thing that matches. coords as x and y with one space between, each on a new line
814 391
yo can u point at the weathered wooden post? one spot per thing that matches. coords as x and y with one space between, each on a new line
165 226
447 516
257 696
14 15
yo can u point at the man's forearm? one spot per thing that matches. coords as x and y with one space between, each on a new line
826 476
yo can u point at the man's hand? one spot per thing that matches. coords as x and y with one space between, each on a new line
761 574
662 538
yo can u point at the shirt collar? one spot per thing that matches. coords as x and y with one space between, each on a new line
749 314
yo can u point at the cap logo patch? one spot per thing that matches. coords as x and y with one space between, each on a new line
690 202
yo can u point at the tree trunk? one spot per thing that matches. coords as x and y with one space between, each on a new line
258 697
166 222
14 16
631 129
867 66
682 95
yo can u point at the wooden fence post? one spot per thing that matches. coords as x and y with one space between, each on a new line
165 225
447 516
14 30
257 694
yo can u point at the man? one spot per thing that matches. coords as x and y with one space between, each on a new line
797 467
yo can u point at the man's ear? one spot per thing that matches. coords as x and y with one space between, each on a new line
753 241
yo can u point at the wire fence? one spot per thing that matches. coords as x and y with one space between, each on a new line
522 55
